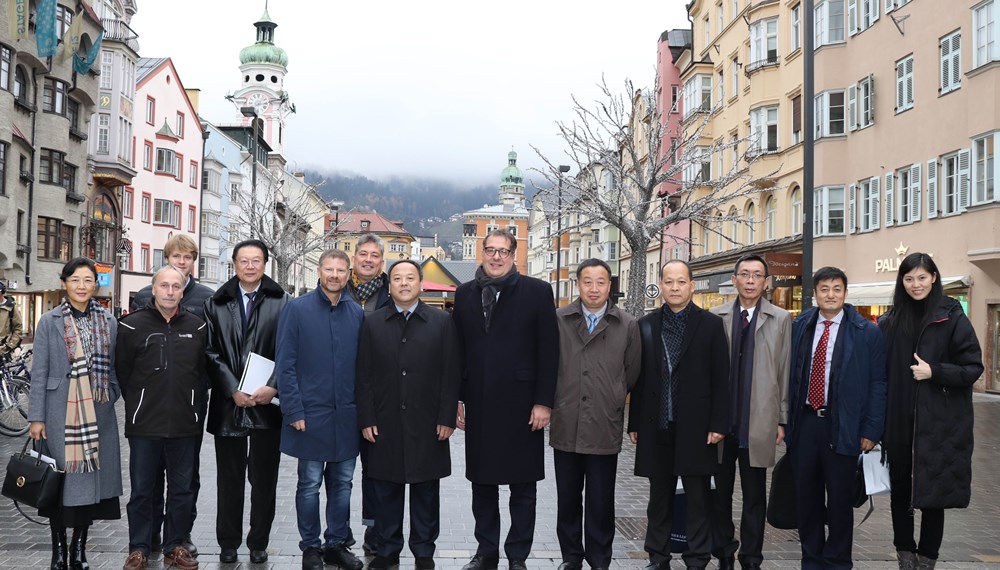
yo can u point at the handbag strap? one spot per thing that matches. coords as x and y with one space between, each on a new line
23 514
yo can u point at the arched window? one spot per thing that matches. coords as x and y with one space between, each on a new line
20 84
101 230
796 211
770 217
751 218
734 236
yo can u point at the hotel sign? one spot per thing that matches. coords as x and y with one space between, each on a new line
891 264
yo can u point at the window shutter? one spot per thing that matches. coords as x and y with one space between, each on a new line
932 192
890 178
909 81
852 16
900 90
874 10
956 60
797 114
876 194
889 5
945 66
871 96
963 179
915 196
852 208
852 107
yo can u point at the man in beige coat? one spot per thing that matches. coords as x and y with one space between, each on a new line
599 362
759 336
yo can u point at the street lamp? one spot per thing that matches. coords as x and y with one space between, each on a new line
251 113
563 169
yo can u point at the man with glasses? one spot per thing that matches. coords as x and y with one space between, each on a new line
506 323
760 337
242 317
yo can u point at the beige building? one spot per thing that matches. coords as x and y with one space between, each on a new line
907 130
743 75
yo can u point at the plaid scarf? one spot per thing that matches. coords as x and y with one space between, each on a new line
365 289
87 383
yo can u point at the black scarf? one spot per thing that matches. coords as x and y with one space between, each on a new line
491 287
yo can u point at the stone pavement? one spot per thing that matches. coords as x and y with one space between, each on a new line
971 535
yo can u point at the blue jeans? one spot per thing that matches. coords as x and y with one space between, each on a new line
338 477
145 466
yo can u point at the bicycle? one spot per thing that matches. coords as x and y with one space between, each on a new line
15 385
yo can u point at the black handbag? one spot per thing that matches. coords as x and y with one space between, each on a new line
781 502
32 481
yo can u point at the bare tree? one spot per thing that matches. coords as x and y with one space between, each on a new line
288 215
635 172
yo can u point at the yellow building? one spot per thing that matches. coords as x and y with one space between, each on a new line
347 227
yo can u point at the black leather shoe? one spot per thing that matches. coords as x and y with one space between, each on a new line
312 559
571 566
750 565
661 565
383 563
189 546
78 550
482 563
425 563
227 556
727 563
517 565
340 556
258 556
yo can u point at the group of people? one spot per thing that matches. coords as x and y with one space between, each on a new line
363 367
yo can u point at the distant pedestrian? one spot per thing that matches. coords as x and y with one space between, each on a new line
11 323
599 361
73 388
837 410
934 358
506 323
315 366
409 374
678 414
160 363
181 252
760 339
242 317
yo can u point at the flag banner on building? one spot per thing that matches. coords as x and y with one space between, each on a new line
45 28
71 40
17 16
104 271
80 65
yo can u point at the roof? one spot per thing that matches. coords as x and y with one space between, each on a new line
462 270
377 224
502 209
147 65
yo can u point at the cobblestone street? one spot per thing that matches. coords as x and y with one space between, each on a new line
970 534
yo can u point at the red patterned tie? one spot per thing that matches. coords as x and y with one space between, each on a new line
817 379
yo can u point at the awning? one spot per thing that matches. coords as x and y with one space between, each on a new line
871 294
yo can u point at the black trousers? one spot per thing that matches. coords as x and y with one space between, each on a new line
753 483
486 511
145 465
590 516
425 516
931 520
660 517
824 494
253 458
158 487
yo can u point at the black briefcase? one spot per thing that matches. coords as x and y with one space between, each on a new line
781 499
31 481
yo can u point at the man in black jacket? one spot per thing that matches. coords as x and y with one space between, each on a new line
678 413
181 252
242 317
160 358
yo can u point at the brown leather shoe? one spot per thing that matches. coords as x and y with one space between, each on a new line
136 561
179 557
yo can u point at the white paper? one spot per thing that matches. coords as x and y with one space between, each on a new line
44 458
256 373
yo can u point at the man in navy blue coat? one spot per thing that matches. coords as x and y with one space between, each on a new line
837 410
316 351
510 339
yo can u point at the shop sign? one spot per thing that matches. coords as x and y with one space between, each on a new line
104 271
891 264
785 269
711 283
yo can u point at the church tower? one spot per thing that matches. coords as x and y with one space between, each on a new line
263 66
512 183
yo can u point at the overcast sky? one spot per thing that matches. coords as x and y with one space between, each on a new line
437 89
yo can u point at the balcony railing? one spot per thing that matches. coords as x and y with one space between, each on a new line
770 61
118 31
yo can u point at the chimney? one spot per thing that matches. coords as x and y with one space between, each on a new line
194 95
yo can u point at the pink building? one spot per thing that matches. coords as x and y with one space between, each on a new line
676 237
165 194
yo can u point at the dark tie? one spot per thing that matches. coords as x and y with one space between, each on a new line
406 315
591 323
250 305
746 319
817 379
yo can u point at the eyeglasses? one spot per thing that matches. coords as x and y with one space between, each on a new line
491 251
746 276
76 282
249 262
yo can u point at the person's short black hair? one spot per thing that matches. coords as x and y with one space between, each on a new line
72 265
682 262
420 271
751 257
592 262
828 273
250 243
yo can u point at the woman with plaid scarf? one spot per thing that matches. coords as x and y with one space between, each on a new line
72 409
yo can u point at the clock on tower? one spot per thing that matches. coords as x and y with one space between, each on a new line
259 101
